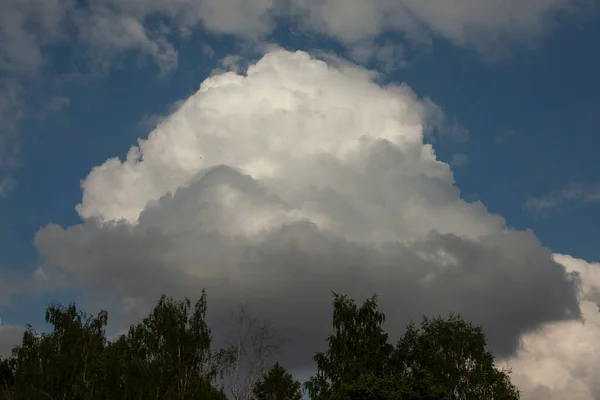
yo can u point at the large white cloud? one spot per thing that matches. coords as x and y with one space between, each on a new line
561 360
295 179
304 119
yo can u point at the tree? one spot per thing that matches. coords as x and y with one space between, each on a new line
61 364
358 346
445 359
6 375
277 384
254 343
167 355
393 387
452 353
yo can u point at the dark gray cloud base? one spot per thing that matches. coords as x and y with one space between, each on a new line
506 281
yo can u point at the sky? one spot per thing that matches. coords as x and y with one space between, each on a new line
439 153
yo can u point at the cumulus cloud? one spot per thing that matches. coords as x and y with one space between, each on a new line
575 193
275 187
560 360
108 30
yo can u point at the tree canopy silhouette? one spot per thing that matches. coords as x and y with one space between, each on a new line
277 384
168 355
443 359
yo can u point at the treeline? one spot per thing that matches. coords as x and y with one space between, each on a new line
168 355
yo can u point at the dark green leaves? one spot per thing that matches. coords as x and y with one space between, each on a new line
63 362
443 359
453 354
393 387
166 356
277 384
357 346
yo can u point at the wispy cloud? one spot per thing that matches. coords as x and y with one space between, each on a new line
11 111
58 103
575 193
505 135
108 28
459 159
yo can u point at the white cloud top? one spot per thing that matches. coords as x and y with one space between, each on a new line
301 127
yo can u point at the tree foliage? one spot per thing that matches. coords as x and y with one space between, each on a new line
6 375
171 349
443 359
63 363
168 355
253 345
358 346
390 387
277 384
452 353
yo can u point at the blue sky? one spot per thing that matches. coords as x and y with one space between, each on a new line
532 117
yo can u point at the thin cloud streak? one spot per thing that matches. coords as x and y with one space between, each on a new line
574 194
